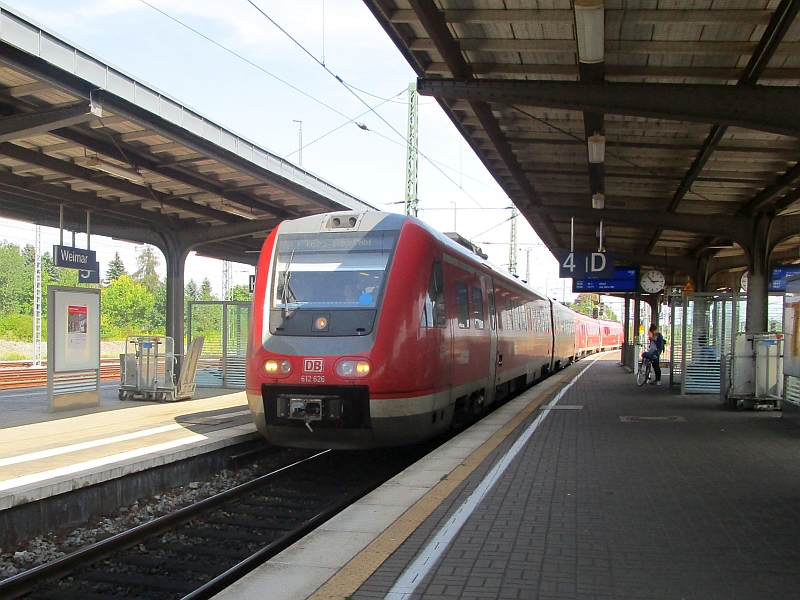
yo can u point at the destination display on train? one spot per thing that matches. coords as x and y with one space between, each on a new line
625 280
339 242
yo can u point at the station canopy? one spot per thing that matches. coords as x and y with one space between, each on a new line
79 134
696 104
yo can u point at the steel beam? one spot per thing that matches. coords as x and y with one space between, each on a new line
29 187
737 228
207 235
772 109
24 125
120 185
433 21
110 149
223 156
779 24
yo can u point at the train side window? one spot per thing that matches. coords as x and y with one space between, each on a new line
462 305
477 307
433 314
492 314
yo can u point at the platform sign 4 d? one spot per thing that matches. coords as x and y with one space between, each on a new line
582 265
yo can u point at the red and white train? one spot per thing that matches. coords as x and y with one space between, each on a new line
372 329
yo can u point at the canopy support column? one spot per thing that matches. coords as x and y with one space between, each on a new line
175 254
758 281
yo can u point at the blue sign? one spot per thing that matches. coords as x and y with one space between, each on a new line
578 265
778 275
625 280
91 275
73 258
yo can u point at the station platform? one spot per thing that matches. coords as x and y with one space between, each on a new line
615 491
43 454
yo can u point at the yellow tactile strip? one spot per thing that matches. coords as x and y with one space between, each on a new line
362 566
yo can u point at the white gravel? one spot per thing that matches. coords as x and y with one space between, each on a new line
52 546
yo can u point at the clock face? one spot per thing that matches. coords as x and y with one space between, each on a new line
653 282
743 281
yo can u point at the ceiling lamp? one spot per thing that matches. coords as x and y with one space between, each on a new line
590 30
101 165
598 200
597 148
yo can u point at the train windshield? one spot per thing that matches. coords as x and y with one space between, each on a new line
342 270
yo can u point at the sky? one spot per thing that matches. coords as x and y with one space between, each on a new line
274 83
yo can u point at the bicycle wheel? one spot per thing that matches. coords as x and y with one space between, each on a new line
643 374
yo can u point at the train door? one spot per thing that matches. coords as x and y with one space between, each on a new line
492 382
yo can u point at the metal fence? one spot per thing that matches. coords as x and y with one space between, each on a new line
225 325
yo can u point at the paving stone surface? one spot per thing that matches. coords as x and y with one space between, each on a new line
597 508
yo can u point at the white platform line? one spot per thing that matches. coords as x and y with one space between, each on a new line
43 392
14 460
416 572
98 462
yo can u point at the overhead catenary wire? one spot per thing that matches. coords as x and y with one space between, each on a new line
351 89
335 129
347 86
247 60
494 226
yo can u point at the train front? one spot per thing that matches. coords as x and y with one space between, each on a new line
319 291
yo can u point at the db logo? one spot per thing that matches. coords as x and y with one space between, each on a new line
313 365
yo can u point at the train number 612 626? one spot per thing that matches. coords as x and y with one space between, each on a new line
312 379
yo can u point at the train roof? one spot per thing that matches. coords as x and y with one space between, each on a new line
353 220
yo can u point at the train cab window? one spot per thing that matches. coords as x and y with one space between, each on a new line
477 307
509 315
462 305
342 271
433 313
492 315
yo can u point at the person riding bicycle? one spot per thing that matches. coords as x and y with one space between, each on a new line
654 351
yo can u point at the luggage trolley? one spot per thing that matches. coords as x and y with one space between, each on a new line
147 369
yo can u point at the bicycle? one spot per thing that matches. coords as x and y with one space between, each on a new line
645 372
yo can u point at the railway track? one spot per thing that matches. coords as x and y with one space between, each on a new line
21 374
195 552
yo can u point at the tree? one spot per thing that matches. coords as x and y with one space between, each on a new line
16 281
147 263
205 291
127 308
191 291
115 269
241 293
158 316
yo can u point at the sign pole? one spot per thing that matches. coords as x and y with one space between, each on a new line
600 249
89 230
61 224
572 234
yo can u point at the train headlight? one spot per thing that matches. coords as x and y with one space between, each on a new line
353 368
277 368
321 323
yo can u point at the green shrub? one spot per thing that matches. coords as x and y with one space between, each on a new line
17 327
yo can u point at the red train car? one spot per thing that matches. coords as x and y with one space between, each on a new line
372 329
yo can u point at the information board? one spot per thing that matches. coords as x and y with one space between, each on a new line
778 275
76 332
625 280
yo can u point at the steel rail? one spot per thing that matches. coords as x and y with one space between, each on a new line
226 579
23 583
